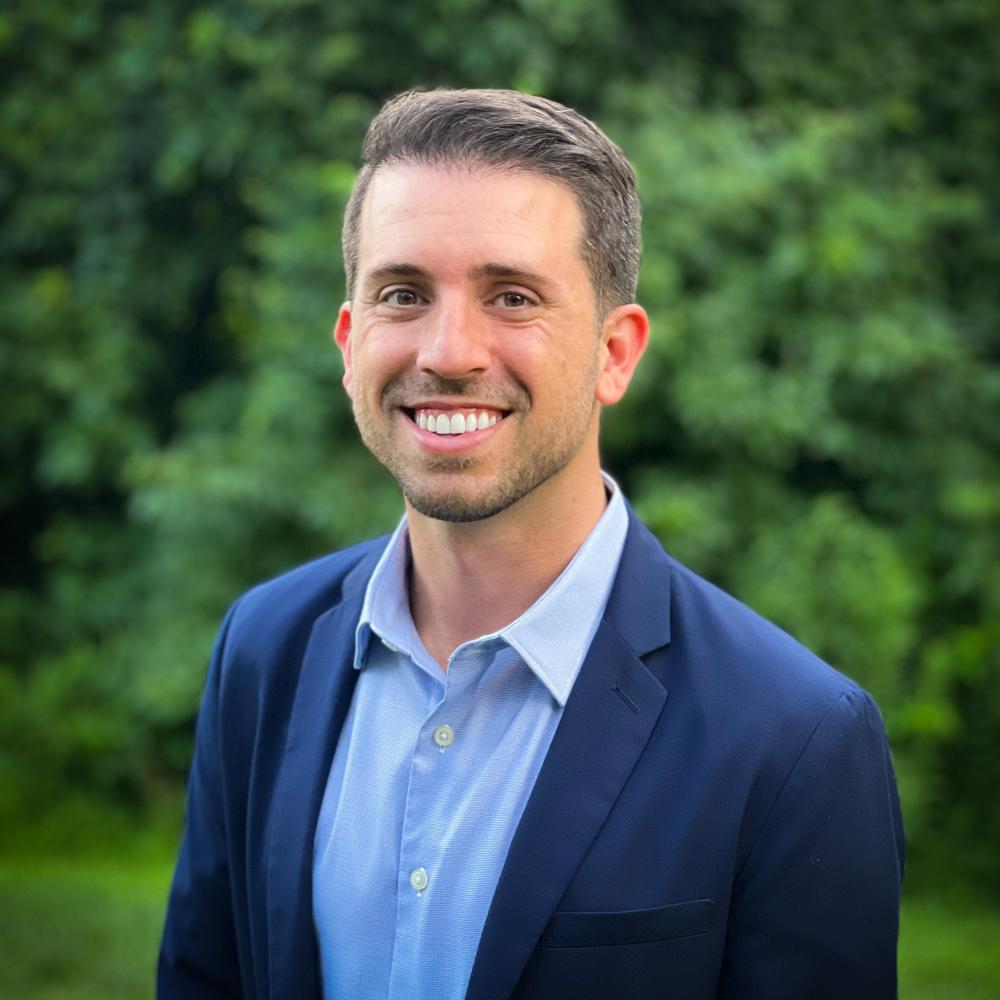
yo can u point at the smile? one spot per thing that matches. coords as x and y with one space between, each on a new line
454 422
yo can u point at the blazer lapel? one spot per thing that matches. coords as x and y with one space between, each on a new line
610 714
323 695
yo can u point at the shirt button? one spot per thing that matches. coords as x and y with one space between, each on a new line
390 646
418 879
444 736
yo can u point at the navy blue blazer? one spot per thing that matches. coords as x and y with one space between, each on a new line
716 817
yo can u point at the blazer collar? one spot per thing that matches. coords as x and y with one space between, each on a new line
639 605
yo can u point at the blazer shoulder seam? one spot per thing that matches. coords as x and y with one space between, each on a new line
835 704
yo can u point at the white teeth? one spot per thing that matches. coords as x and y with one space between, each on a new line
455 422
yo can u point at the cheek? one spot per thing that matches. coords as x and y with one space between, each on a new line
555 372
530 353
379 356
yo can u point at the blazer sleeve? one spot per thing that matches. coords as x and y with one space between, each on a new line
816 903
198 954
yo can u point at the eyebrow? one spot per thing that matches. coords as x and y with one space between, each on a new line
402 271
395 272
512 273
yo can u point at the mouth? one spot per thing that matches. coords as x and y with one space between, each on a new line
455 421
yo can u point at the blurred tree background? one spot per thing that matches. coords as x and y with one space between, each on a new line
816 427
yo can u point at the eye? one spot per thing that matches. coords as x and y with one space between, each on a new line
400 297
513 300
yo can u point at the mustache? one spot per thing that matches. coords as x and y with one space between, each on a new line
411 387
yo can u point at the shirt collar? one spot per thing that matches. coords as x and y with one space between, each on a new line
552 636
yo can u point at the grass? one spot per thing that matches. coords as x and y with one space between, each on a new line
89 929
83 931
949 951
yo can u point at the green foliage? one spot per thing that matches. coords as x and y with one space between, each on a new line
815 426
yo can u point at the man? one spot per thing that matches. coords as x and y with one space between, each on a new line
516 750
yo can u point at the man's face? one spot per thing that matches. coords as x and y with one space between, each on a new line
472 347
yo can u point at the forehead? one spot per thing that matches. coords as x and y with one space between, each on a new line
451 217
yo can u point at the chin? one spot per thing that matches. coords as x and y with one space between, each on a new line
457 509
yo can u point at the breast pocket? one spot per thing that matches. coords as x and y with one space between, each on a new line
660 923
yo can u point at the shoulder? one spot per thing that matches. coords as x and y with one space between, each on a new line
728 660
284 609
320 581
261 644
751 695
753 656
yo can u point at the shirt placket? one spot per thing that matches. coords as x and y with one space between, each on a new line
421 906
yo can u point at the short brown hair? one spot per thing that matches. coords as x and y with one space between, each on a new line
504 128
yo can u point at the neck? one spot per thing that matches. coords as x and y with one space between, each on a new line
467 580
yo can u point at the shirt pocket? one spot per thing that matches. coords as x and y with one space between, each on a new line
604 929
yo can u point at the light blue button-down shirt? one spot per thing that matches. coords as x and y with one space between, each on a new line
432 772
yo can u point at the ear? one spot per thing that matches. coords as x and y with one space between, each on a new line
342 338
624 336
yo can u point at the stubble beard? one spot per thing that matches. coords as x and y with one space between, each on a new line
425 481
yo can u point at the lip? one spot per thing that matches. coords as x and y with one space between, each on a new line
453 404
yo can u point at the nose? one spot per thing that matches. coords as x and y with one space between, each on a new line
456 339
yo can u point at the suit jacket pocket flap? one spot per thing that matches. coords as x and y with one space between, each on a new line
592 930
